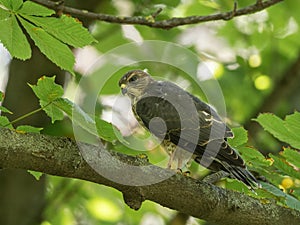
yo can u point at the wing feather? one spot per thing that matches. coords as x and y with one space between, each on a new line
189 123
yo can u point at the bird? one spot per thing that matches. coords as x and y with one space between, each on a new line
186 126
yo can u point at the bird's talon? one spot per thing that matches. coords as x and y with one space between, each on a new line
179 171
186 173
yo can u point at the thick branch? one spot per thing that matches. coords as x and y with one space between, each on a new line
150 20
61 156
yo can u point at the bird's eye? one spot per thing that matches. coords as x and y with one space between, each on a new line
133 78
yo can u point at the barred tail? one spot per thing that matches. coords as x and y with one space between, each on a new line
244 175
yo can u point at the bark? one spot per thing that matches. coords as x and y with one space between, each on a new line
151 21
61 157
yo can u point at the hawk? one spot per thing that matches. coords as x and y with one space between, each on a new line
186 126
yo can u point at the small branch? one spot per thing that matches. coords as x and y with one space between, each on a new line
155 14
60 156
232 13
164 24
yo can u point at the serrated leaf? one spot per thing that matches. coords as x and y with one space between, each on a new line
76 114
52 111
292 123
37 175
3 109
237 185
32 8
263 193
101 128
283 166
272 189
253 156
292 202
12 4
106 130
278 128
4 122
13 38
240 137
28 129
66 29
47 90
6 3
292 156
52 48
16 4
4 14
289 200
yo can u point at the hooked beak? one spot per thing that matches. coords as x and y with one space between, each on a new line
123 89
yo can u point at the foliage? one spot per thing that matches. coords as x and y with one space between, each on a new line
249 55
285 130
51 35
281 172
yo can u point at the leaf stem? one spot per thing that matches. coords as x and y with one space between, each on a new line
27 115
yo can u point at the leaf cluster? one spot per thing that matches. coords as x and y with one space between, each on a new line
280 173
52 35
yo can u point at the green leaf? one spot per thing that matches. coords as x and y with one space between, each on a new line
106 130
240 137
16 4
55 50
12 4
285 167
272 189
236 185
76 114
283 130
292 202
28 129
4 122
37 175
1 96
7 4
292 156
292 123
52 111
32 8
47 90
4 14
289 200
253 157
101 128
13 38
66 29
3 109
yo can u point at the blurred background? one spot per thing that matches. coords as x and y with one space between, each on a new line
254 59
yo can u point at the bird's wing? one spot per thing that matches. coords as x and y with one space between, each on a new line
185 120
172 114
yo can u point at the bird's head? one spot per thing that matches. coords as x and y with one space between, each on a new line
134 83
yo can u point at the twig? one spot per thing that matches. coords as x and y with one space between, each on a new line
155 14
164 24
232 13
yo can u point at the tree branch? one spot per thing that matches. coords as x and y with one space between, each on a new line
61 157
150 20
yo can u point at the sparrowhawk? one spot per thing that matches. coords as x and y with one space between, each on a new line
184 124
